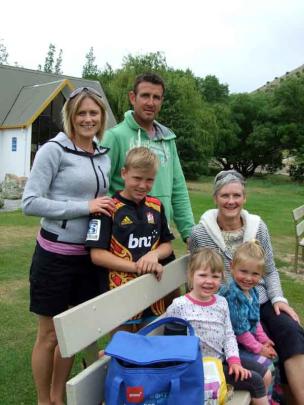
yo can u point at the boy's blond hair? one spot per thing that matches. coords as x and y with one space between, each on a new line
251 250
202 258
141 158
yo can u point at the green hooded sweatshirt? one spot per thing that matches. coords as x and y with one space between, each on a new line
169 186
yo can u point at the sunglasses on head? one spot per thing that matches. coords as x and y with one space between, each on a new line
225 173
84 90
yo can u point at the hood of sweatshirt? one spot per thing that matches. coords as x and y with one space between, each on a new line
209 221
69 146
162 133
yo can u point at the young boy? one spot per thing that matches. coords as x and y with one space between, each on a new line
136 239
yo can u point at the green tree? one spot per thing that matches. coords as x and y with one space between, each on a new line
50 65
49 59
3 53
252 138
212 90
192 120
150 62
58 64
289 101
90 69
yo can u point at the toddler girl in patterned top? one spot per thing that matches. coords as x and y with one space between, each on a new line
209 315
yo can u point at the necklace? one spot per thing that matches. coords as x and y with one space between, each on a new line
90 150
230 227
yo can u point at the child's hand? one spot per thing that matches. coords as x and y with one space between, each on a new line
269 343
268 351
158 272
149 264
240 372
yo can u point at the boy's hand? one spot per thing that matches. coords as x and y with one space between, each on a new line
158 272
149 264
240 372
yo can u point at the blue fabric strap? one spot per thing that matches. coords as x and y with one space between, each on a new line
147 329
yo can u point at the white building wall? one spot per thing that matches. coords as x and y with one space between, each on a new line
15 161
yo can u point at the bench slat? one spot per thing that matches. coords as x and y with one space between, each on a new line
298 212
240 398
80 326
87 387
300 228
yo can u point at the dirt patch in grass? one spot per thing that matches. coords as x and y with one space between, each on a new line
193 186
13 236
295 276
9 288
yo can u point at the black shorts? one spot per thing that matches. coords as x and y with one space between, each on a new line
254 384
60 281
286 333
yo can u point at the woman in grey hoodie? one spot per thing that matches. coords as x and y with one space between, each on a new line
68 181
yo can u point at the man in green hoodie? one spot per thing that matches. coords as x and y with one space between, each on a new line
139 128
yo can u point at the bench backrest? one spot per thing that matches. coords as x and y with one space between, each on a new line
81 326
298 217
298 213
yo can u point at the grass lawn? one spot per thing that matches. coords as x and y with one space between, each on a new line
272 197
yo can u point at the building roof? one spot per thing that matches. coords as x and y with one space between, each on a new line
26 93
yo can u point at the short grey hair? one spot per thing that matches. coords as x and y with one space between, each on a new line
226 177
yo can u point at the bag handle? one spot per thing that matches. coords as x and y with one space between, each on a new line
171 319
114 391
174 396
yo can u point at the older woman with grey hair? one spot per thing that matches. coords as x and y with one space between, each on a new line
224 229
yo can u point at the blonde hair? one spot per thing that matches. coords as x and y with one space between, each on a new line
71 108
251 250
202 258
141 158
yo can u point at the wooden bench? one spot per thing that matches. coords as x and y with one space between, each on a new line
298 218
80 327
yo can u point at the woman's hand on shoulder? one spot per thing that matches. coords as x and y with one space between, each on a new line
240 372
102 205
283 306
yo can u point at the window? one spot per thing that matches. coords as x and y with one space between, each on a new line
14 144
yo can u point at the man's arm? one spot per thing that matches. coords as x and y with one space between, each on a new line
111 141
181 206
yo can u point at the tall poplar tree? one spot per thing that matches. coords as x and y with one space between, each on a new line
3 53
90 69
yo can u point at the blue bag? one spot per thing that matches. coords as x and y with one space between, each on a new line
155 370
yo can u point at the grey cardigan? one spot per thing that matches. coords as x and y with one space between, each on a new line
62 181
208 234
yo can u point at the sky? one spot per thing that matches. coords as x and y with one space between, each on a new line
243 43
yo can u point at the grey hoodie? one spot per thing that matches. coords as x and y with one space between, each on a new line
63 180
